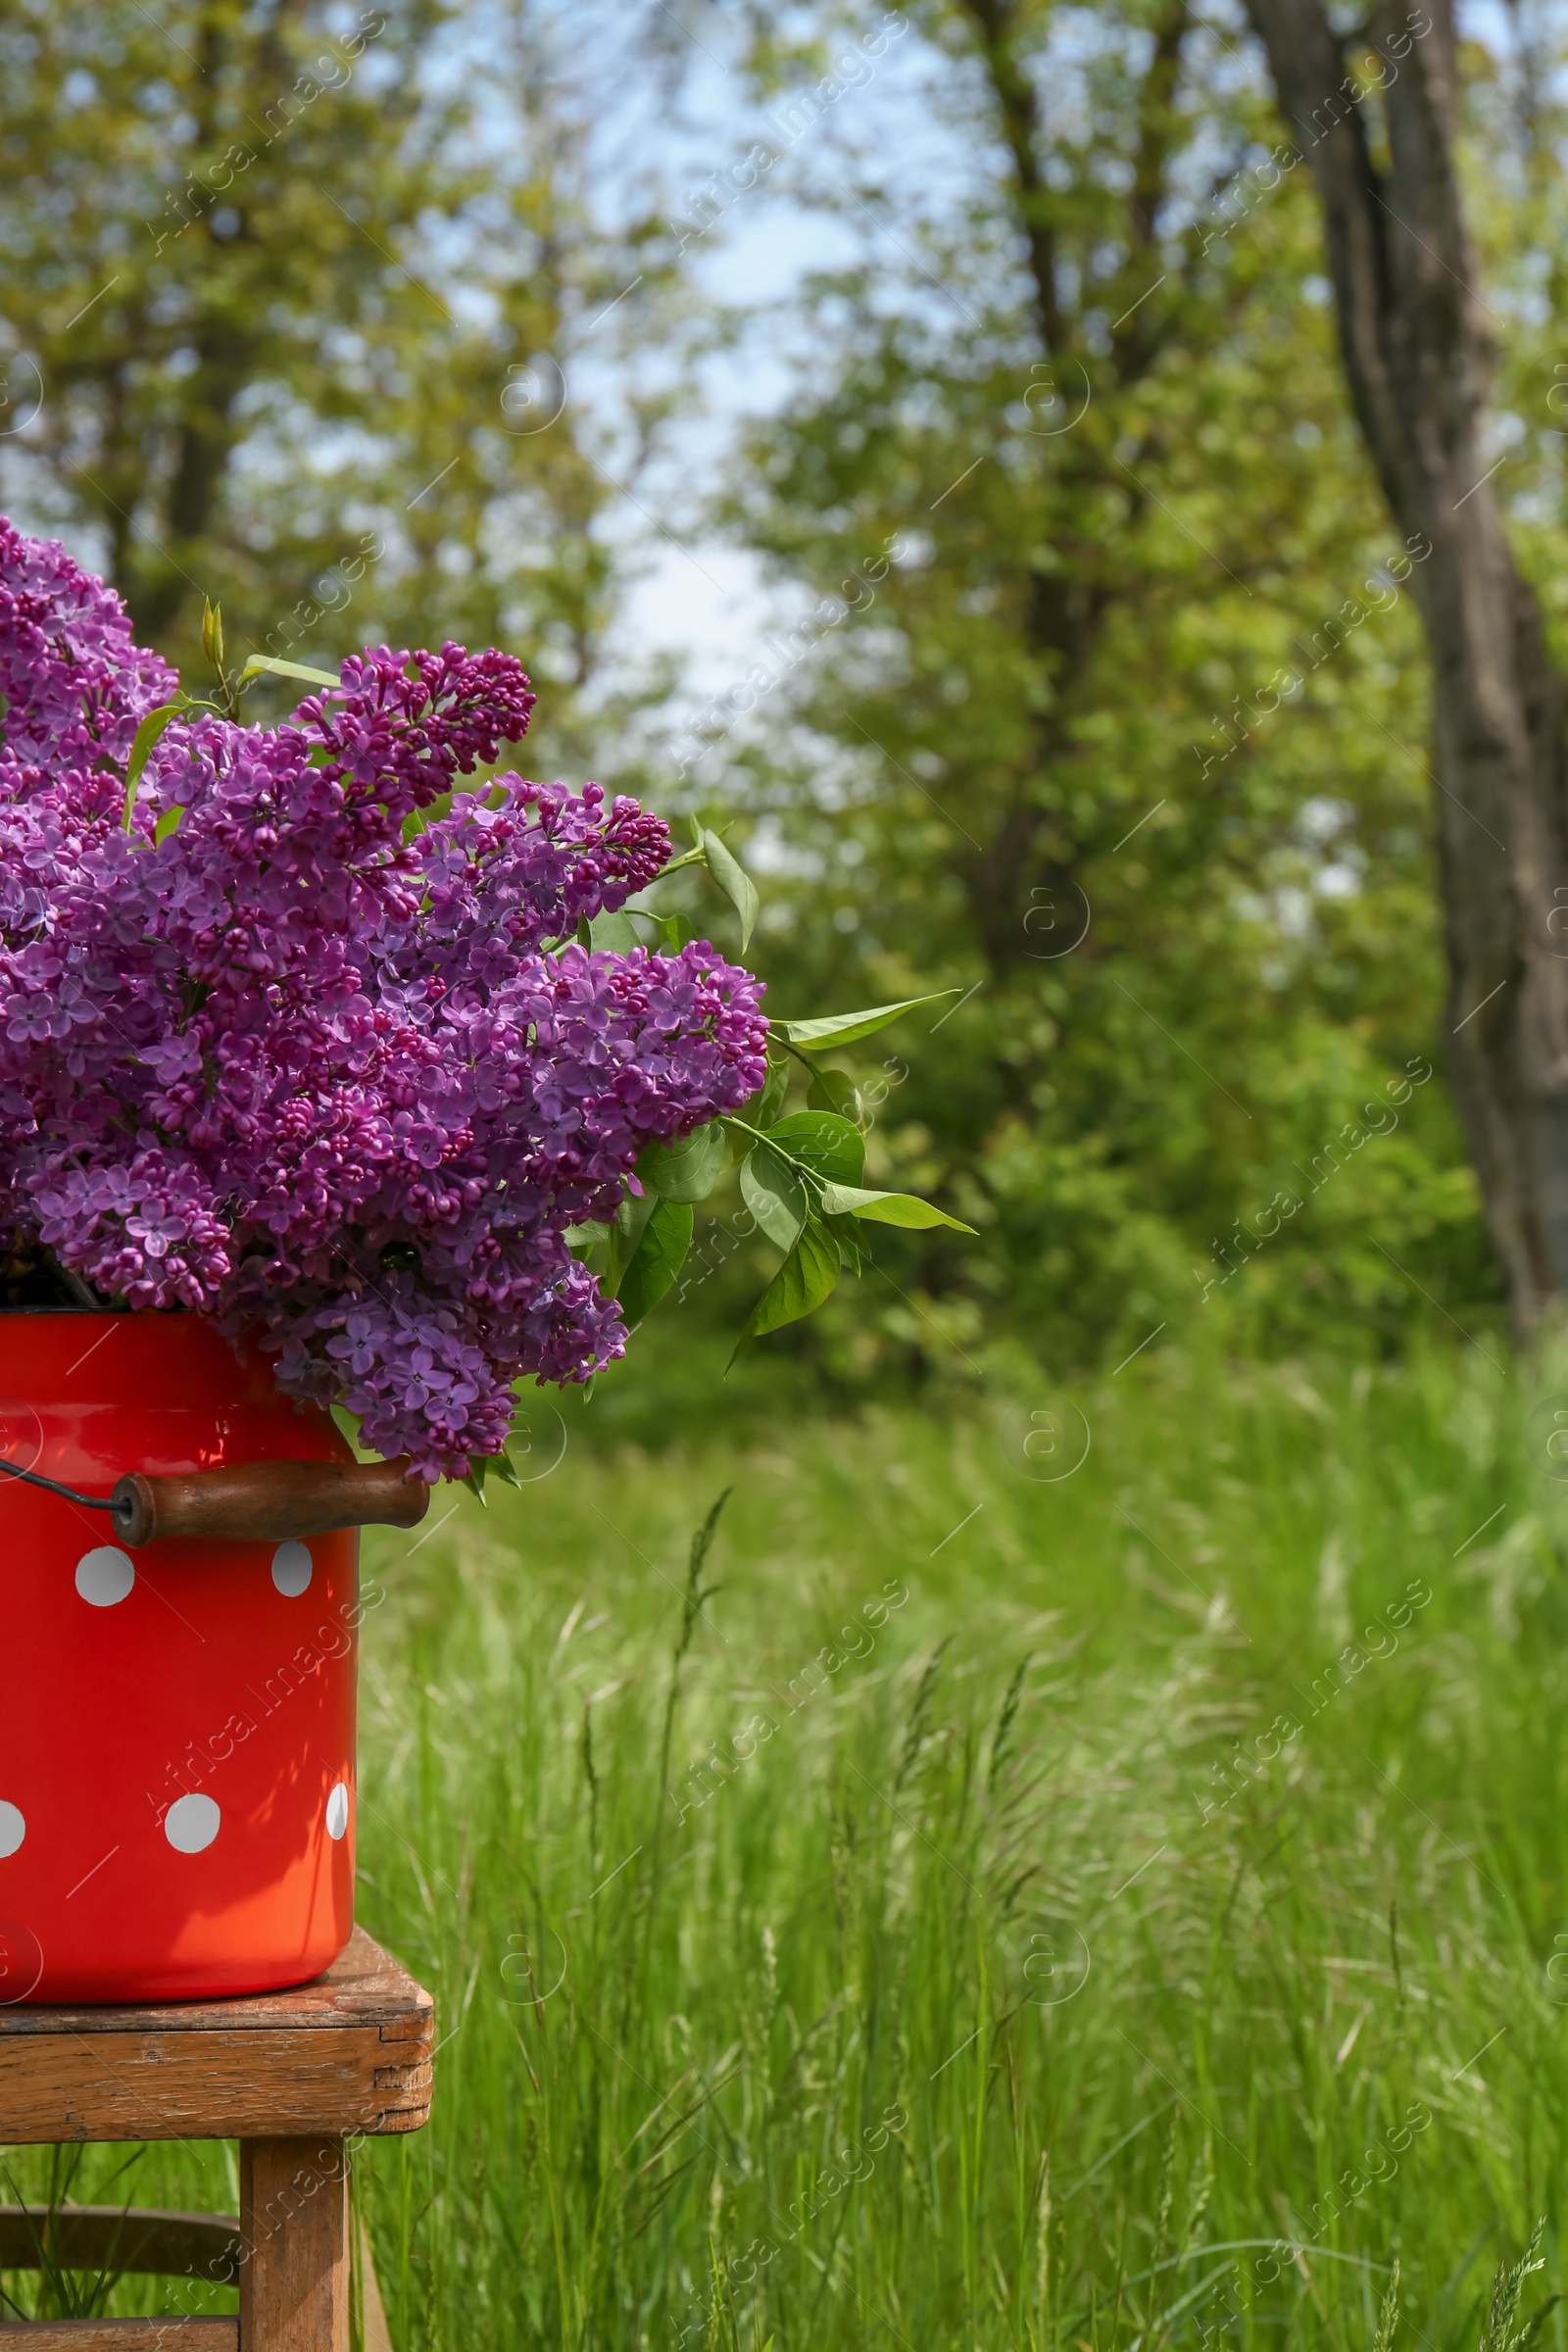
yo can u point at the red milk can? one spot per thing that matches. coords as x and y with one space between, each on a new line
177 1717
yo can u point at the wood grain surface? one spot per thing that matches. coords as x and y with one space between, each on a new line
250 1503
122 2335
97 2237
347 2052
294 2220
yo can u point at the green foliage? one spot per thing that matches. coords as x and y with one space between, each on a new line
808 1275
820 1144
687 1170
486 1467
658 1259
141 749
616 932
835 1029
294 299
833 1090
736 884
799 1172
887 1209
262 666
1122 731
774 1194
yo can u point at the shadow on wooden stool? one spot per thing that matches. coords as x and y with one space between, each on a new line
297 2077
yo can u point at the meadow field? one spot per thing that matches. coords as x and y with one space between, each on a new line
971 1908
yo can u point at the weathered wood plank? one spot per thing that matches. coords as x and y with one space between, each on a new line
366 1986
172 2335
294 2221
99 2237
154 2085
347 2053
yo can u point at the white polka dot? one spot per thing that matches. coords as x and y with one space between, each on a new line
337 1810
191 1824
292 1569
13 1830
104 1576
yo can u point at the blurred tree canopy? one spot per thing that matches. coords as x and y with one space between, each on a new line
292 293
1130 744
1107 707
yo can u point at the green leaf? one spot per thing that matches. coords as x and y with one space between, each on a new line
168 822
142 744
660 1255
503 1466
616 932
806 1277
764 1108
348 1423
833 1090
474 1477
848 1237
288 669
627 1232
830 1147
844 1028
736 884
673 932
886 1209
687 1170
775 1196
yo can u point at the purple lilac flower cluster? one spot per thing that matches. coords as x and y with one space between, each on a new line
288 1068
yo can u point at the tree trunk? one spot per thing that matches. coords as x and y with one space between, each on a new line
1417 355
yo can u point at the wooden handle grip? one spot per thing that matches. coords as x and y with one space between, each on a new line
267 1501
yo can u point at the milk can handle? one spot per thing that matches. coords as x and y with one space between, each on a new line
266 1502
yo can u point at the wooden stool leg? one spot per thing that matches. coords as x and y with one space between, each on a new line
293 2219
376 2336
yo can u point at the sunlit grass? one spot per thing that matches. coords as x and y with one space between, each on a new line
980 1911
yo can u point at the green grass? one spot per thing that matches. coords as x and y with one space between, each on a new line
1027 1912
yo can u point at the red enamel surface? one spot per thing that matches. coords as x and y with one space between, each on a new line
205 1682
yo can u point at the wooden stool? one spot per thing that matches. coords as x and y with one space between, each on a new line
297 2077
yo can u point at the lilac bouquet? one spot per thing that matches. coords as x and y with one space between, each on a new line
299 1038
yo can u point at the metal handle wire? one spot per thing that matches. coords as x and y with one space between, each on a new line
52 1486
